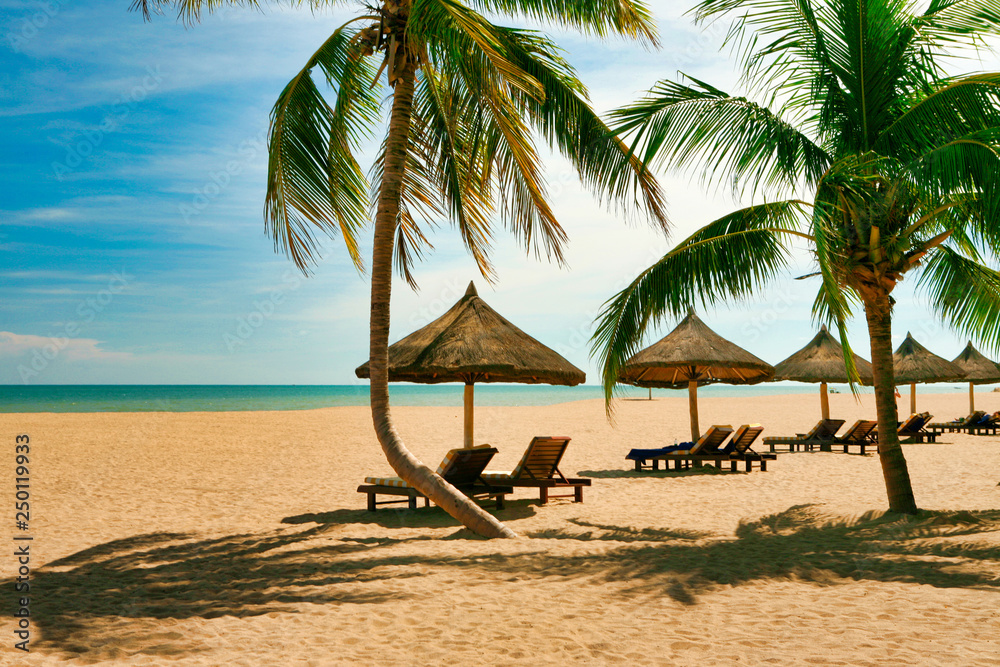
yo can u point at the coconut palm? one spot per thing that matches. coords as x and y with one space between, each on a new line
863 148
465 95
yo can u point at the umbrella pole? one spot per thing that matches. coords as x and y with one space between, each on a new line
824 401
693 404
913 398
651 392
972 400
469 417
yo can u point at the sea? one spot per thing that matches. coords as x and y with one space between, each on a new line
224 398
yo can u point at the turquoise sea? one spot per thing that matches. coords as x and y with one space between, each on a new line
221 398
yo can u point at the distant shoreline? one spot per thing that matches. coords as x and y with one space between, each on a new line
83 399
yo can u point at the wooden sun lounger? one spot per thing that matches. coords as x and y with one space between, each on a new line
860 435
913 428
706 450
821 436
958 424
539 468
462 468
988 426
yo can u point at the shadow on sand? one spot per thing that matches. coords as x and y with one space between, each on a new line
400 517
693 471
104 603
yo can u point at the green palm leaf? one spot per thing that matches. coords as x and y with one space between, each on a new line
314 181
964 293
729 258
596 17
732 137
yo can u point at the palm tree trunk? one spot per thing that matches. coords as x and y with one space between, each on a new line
897 477
407 466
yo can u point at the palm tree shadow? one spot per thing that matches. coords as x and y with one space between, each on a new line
422 517
84 598
942 549
107 603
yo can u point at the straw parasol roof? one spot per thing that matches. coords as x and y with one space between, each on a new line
978 369
473 343
692 355
693 352
821 360
912 362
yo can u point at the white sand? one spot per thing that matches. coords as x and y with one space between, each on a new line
239 539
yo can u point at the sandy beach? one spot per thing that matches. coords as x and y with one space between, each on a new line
239 538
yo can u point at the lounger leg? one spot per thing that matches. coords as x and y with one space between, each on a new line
371 501
543 494
763 465
638 464
412 502
577 494
499 501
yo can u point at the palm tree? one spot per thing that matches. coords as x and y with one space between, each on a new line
465 97
864 148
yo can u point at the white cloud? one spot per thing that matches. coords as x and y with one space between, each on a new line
70 349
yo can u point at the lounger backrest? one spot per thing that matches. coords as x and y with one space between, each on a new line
462 467
973 418
907 426
854 433
815 429
713 437
745 436
866 429
827 429
541 459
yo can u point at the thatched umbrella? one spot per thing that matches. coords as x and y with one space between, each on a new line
821 360
473 343
692 355
913 363
978 370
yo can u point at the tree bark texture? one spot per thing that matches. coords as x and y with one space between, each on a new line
897 478
407 466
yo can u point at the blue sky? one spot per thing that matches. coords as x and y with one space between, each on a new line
132 245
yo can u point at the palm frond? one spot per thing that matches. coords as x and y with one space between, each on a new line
419 200
782 44
506 156
954 108
314 182
964 293
965 172
959 21
731 137
603 162
191 11
450 25
595 17
726 259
